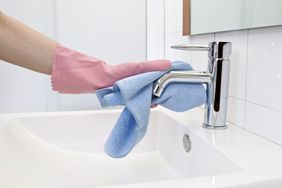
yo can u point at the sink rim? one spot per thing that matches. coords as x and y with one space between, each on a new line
250 173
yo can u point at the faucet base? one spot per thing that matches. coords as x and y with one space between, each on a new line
214 127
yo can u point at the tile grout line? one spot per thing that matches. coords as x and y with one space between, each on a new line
164 29
234 124
56 35
268 139
46 79
246 80
254 133
146 29
163 25
263 106
237 98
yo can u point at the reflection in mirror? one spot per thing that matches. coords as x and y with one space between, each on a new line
201 16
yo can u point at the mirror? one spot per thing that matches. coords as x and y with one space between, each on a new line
201 16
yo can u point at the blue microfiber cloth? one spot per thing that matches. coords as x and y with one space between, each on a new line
135 93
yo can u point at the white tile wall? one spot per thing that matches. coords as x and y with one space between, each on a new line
255 97
170 39
91 30
236 111
170 16
264 122
180 54
200 59
265 67
155 29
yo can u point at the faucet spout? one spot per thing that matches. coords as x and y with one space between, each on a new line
216 79
181 77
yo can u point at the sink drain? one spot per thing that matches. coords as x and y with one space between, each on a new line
187 143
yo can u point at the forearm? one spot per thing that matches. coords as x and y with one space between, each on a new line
25 47
72 72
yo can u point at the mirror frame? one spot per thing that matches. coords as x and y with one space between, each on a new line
186 21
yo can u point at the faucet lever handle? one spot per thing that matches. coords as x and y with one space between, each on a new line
191 47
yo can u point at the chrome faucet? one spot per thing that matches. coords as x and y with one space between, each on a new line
216 78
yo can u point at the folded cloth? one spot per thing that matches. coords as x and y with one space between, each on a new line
135 93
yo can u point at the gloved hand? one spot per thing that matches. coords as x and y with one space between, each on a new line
73 72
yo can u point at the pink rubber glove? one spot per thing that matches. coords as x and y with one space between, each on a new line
73 72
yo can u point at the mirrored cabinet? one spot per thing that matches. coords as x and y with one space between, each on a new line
202 16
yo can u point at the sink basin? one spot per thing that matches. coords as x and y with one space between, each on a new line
65 149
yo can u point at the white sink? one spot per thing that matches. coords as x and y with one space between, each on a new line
65 150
